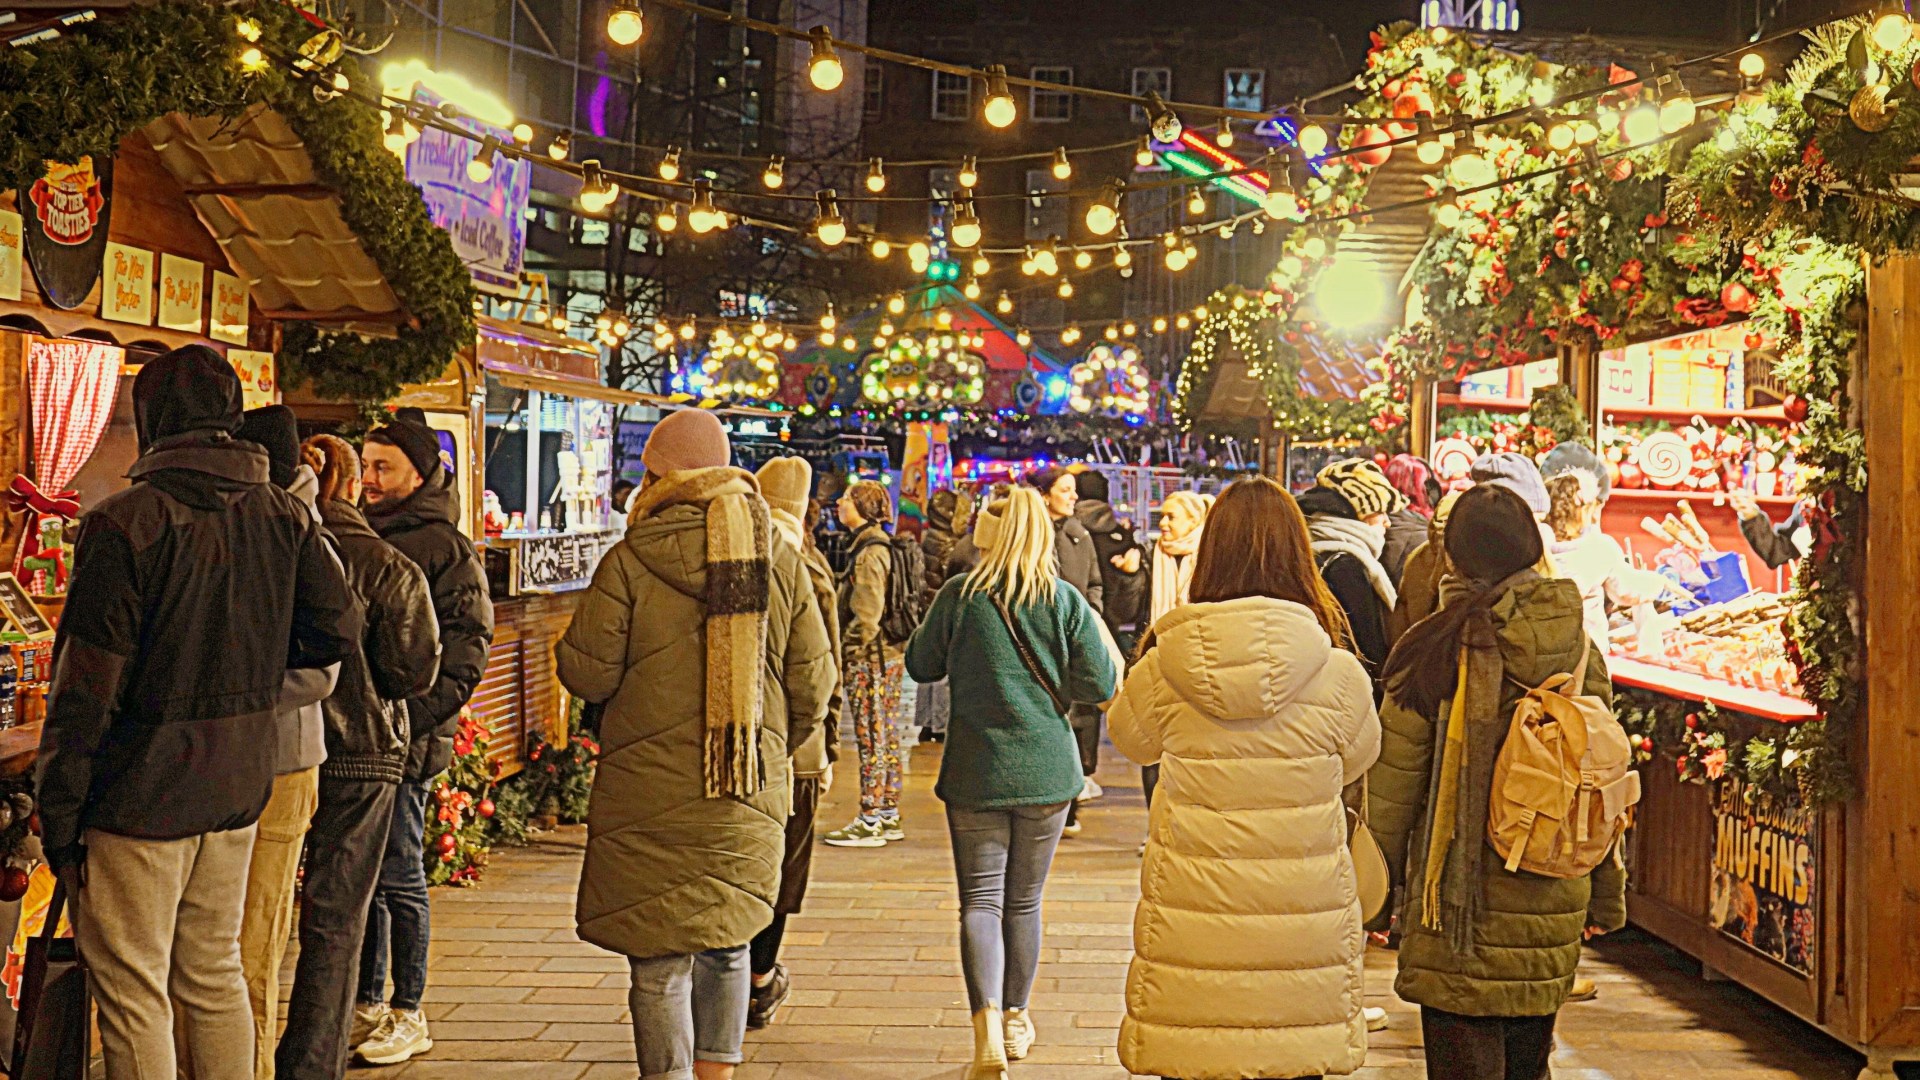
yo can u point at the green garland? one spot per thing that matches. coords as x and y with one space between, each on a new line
86 91
1253 325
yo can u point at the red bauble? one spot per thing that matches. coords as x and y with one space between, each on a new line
484 807
1753 340
1456 78
13 884
446 856
1736 298
1380 459
1613 474
1370 149
1620 170
1693 721
1632 477
1646 745
1795 408
1392 89
1411 103
448 842
33 823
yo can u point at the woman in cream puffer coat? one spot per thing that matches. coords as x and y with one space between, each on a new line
1247 941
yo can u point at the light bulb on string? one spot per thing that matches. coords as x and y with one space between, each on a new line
248 29
480 165
252 59
1312 140
666 219
1677 110
876 176
560 147
624 23
1103 215
1641 124
919 252
1062 168
1585 133
1159 324
621 327
523 134
1182 322
1111 333
824 69
971 290
969 175
776 174
1143 152
1892 26
1122 258
1196 203
596 191
1224 137
1752 66
1046 258
1280 202
1429 149
1022 338
999 110
1176 259
896 304
1082 259
1065 290
827 320
881 247
703 217
828 225
1560 137
670 164
1163 123
981 267
399 134
966 225
1004 305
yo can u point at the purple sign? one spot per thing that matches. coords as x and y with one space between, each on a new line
487 218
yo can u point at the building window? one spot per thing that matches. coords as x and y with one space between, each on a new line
952 96
1051 105
1246 89
1045 217
875 90
1158 80
942 183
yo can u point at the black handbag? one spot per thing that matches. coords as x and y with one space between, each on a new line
52 1040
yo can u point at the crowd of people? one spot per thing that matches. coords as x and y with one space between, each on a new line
295 627
1280 668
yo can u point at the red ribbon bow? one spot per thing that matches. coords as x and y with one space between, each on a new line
24 496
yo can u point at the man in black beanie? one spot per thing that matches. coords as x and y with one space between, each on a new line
412 503
193 593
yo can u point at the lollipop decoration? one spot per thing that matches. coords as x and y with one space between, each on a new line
1111 380
1665 459
1453 458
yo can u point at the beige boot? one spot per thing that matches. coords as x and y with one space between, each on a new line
989 1046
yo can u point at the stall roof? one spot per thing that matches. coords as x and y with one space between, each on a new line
253 186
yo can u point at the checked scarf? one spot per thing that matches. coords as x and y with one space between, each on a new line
736 619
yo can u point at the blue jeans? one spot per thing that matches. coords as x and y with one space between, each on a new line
1001 858
687 1009
399 912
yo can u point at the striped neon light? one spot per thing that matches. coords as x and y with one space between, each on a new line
1199 157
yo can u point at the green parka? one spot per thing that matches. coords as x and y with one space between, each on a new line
1527 937
669 871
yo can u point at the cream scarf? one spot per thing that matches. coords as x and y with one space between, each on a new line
1172 572
736 600
1364 542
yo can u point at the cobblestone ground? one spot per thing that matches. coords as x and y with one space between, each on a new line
877 992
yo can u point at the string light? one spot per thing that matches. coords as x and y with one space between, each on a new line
1000 110
523 134
1177 259
776 174
1143 153
1022 338
1642 124
966 225
972 289
703 217
1892 27
1677 110
1111 333
560 147
1429 149
1560 137
1182 322
969 175
828 225
666 219
596 191
624 23
480 165
981 267
252 59
876 177
1103 215
827 321
881 248
670 164
1004 305
1165 126
1062 168
1160 324
1280 202
1752 66
1122 258
1224 137
1312 140
1046 259
824 69
1070 335
400 133
1065 290
896 304
1082 259
248 29
1196 203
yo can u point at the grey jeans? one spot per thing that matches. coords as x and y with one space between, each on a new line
687 1009
1001 858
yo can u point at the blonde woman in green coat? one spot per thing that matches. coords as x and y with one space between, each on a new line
705 641
1488 955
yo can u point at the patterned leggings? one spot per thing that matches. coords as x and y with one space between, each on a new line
873 696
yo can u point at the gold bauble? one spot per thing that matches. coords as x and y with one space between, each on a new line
1869 110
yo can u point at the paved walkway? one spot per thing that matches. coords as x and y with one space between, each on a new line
877 991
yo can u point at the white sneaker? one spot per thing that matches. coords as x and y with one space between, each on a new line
366 1021
1020 1034
1089 791
1376 1018
402 1035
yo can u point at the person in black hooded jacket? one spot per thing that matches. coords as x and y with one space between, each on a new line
1123 577
367 735
193 593
411 501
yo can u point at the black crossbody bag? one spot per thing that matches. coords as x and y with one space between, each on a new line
1031 659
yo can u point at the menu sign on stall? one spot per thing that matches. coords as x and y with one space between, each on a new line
257 376
12 251
229 309
183 294
562 561
128 293
1763 875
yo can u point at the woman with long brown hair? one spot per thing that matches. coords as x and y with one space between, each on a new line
1248 940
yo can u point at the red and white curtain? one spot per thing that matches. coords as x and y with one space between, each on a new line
70 388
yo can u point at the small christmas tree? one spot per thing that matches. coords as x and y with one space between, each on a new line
459 832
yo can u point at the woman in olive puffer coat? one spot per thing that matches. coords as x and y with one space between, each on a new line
1491 963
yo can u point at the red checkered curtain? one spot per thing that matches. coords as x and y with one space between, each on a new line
71 387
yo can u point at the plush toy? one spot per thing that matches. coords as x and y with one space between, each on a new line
492 518
44 548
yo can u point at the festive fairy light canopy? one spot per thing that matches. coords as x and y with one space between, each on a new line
1111 381
937 369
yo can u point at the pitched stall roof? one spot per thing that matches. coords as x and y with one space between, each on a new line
252 185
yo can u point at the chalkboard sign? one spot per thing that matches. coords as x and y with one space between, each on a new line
21 613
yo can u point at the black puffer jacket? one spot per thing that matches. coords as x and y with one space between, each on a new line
398 657
193 592
1123 595
421 526
1079 562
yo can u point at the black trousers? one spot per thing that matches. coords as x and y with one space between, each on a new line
1486 1047
1085 720
796 866
1149 779
345 847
